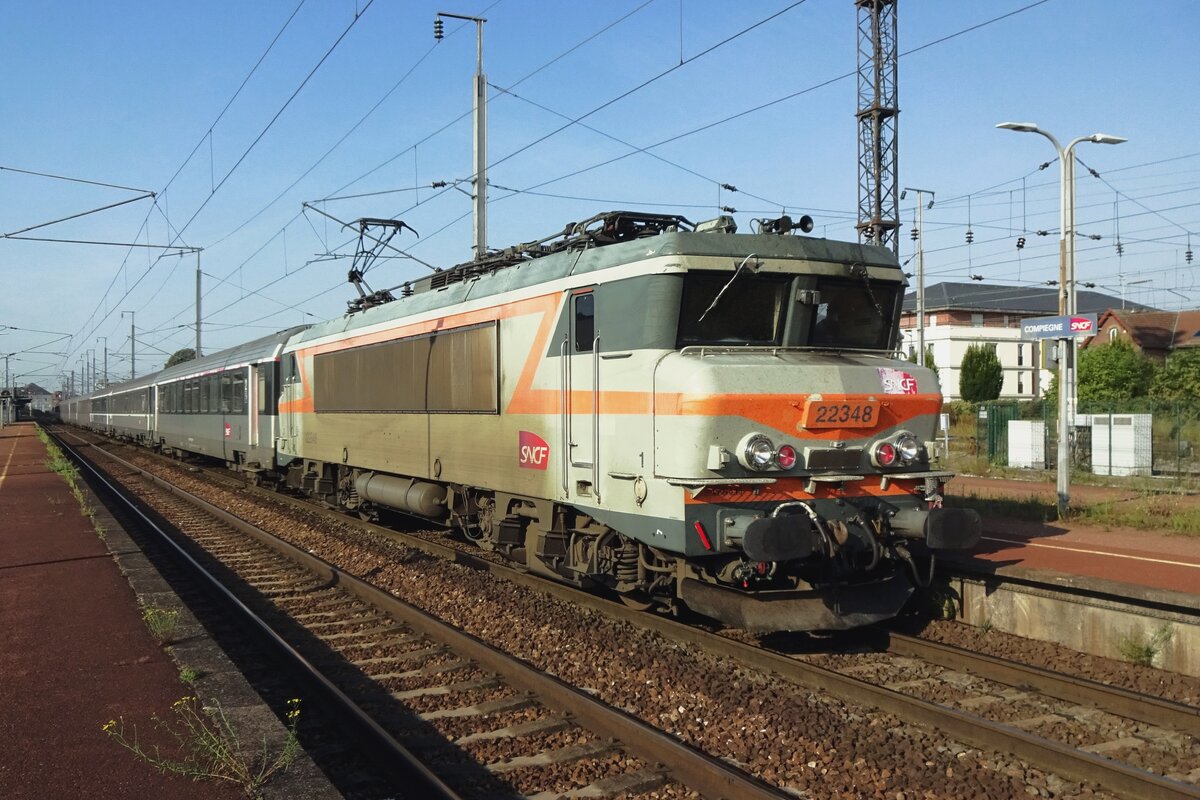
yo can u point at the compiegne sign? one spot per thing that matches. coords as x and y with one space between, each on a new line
1059 327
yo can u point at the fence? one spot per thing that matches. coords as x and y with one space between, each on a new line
1162 435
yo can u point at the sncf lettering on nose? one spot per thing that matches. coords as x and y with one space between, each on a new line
533 452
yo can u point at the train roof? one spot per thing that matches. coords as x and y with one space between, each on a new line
525 266
261 349
265 348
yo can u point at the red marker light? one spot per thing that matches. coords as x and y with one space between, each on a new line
703 536
885 454
786 457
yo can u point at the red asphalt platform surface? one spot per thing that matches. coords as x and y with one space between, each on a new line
1157 563
74 652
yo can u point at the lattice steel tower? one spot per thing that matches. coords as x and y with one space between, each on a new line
878 178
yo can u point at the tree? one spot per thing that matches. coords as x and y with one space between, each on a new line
1179 379
1113 371
180 356
929 362
980 375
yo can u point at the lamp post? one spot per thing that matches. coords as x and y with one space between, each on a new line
1066 283
480 162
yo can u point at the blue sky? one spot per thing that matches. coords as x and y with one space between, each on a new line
138 95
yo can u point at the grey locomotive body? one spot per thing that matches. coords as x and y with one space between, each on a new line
676 413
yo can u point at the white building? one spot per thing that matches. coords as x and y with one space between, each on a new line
958 315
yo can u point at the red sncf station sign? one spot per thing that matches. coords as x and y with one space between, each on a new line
1064 327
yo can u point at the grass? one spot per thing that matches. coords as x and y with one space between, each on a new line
58 462
208 746
1163 513
163 623
1141 650
190 675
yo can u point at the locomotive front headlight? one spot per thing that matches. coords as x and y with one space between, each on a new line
908 448
759 452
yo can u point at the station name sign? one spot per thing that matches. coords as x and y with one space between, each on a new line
1066 327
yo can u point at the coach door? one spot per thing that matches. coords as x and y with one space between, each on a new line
581 381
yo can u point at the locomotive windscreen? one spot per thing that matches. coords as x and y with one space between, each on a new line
854 315
724 308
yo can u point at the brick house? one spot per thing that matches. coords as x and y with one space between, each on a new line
1153 333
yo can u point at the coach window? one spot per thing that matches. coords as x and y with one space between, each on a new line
226 393
204 394
585 322
239 393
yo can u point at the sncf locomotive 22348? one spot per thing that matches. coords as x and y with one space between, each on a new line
677 413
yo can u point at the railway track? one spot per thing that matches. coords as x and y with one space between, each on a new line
996 732
466 719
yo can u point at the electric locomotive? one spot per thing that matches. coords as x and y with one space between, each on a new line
679 413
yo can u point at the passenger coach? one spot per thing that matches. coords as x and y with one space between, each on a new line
223 405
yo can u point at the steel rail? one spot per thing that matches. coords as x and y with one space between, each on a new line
405 763
710 776
1115 700
1063 760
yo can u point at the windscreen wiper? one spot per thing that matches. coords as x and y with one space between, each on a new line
717 299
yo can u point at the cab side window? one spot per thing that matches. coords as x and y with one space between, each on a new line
585 322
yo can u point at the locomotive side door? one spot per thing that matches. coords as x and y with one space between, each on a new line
581 396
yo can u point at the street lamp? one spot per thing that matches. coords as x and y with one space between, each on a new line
1066 282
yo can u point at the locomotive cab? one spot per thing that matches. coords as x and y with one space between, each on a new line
801 444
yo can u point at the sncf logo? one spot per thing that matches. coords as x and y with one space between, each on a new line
533 451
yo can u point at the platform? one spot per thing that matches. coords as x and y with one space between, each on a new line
74 652
1093 589
1151 565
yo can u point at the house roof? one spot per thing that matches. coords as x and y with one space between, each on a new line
1024 300
1158 330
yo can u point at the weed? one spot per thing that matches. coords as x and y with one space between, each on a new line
986 626
58 462
162 623
209 747
1137 649
190 675
940 601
